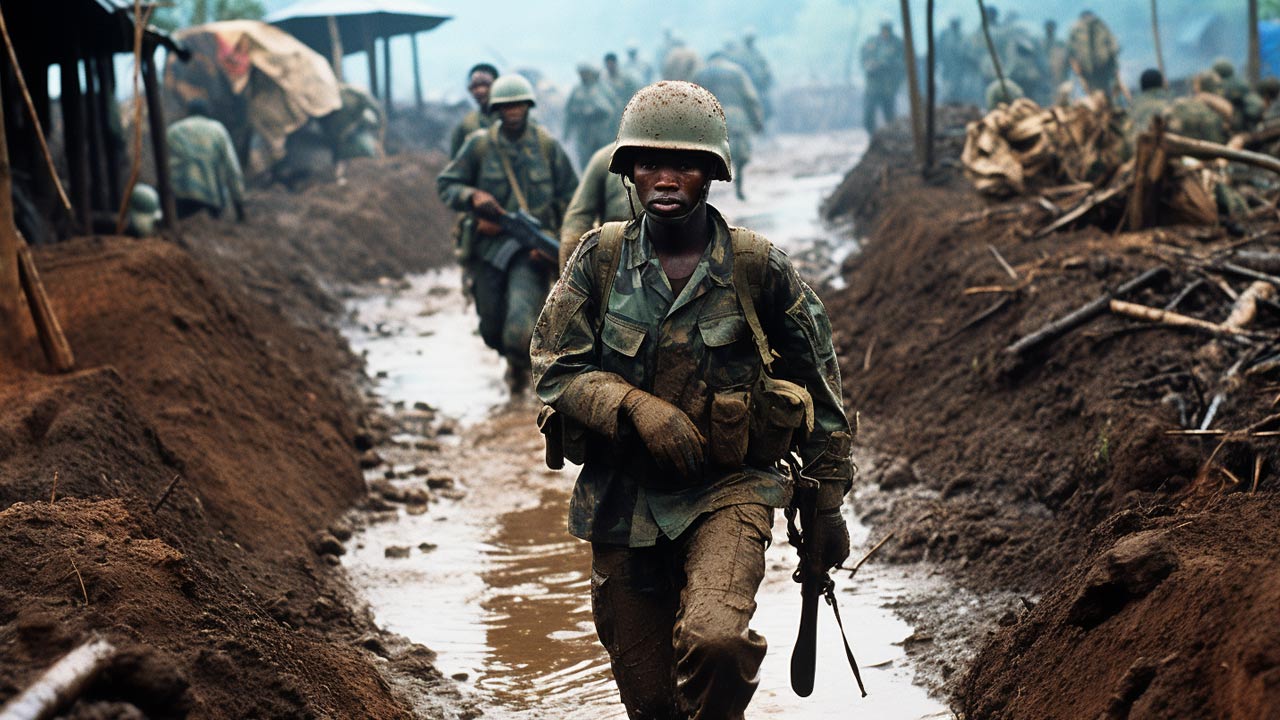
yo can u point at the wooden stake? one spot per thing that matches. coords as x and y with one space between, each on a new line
913 80
1155 33
140 20
159 145
1206 150
335 47
1254 68
62 683
54 343
991 48
870 552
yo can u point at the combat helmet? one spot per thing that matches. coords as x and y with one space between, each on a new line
144 209
511 88
1224 68
673 115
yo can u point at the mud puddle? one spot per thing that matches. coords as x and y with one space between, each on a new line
485 573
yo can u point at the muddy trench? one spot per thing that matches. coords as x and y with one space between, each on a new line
469 555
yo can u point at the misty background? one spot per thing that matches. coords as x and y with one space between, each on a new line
808 42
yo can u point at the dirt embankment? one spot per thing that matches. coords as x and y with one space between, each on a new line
1152 556
194 365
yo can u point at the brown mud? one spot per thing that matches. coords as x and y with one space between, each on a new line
1146 561
210 360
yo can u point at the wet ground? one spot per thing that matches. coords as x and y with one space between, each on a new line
485 574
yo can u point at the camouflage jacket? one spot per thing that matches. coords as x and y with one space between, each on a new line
1147 105
1093 47
737 95
601 198
540 165
473 121
686 350
1194 118
592 111
203 164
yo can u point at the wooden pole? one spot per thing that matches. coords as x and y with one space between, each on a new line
54 343
1255 45
1155 32
335 47
417 72
106 81
159 146
10 288
73 136
386 74
913 80
991 48
371 51
97 173
931 89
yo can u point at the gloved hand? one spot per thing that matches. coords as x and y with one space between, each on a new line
670 436
834 534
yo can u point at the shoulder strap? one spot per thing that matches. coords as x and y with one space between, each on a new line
750 261
608 255
506 167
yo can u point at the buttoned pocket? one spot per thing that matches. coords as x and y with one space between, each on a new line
622 336
722 330
731 361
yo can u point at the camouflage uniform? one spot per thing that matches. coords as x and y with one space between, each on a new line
1249 108
508 285
1194 118
1147 105
1092 48
203 167
882 62
475 120
601 198
676 564
742 109
591 118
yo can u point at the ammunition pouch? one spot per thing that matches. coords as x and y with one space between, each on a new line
781 418
565 438
729 431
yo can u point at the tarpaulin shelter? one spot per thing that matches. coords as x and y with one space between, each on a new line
81 37
257 76
336 28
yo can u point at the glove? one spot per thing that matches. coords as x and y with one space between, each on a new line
834 548
669 435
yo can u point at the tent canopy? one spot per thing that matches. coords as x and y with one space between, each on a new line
358 20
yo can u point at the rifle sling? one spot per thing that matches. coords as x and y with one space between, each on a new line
848 651
511 178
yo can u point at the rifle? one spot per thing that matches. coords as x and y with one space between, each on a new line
814 581
527 231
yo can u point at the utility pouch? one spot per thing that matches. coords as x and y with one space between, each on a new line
781 416
464 235
730 425
565 439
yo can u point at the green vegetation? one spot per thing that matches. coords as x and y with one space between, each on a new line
185 13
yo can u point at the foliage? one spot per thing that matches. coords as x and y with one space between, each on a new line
185 13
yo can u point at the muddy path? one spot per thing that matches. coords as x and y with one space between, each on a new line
470 557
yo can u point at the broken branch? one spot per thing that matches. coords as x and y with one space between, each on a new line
62 683
1084 313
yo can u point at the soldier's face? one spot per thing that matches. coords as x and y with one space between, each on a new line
670 184
514 116
479 87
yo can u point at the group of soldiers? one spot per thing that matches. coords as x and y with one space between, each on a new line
1218 104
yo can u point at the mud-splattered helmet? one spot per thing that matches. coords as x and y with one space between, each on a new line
673 115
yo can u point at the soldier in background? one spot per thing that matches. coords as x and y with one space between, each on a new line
513 165
1204 115
591 114
355 129
601 197
757 67
1055 55
742 109
203 167
957 67
1151 101
1269 90
479 81
883 66
1247 104
635 66
622 84
1094 54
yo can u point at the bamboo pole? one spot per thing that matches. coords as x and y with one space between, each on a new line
1255 45
135 165
1155 33
991 48
913 80
931 89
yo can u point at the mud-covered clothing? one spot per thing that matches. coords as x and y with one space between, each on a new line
471 122
674 617
743 112
591 118
1194 117
202 163
507 285
1093 49
601 197
1147 105
694 351
1248 105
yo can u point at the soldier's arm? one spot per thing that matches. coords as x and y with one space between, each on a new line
800 332
456 183
564 350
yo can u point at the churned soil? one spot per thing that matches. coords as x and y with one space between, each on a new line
181 492
1147 561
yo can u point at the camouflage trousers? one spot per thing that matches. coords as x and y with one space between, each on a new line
882 101
508 303
674 616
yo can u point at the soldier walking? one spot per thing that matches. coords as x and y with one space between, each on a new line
883 65
601 197
479 82
203 167
653 343
743 110
591 114
513 165
1094 54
